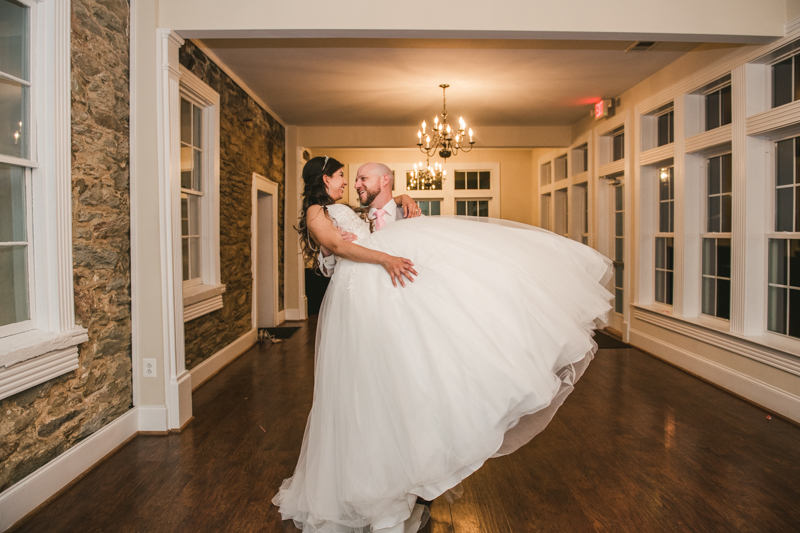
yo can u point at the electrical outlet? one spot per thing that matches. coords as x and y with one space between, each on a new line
149 369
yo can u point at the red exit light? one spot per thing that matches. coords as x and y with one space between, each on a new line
601 109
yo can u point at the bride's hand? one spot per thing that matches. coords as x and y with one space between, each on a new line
397 267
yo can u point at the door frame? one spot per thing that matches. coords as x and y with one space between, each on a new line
260 183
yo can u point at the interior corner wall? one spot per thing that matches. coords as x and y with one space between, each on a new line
515 171
251 140
39 424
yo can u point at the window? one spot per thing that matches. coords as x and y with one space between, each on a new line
783 315
619 248
466 180
415 184
785 82
191 189
665 128
199 196
430 207
561 168
665 242
716 289
16 252
545 213
582 200
718 107
547 174
562 212
618 146
472 208
580 159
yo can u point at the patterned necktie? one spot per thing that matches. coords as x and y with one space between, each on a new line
379 222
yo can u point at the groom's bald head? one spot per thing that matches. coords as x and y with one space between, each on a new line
374 184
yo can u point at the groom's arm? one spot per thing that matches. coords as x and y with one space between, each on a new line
327 261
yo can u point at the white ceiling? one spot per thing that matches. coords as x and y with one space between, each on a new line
394 82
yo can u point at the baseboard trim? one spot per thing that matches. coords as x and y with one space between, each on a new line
295 314
211 366
23 499
764 395
153 419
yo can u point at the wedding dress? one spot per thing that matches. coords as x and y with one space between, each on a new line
417 387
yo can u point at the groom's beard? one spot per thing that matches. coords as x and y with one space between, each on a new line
371 195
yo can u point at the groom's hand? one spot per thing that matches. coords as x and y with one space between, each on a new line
347 236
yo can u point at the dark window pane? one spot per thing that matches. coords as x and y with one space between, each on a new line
663 189
669 255
661 261
619 147
785 162
709 257
671 172
794 313
725 104
472 208
794 263
712 111
714 173
724 258
782 83
777 262
783 208
776 319
197 127
461 180
713 214
618 224
797 208
436 208
661 286
472 180
796 78
618 301
671 217
186 122
485 178
669 289
619 199
663 129
483 208
618 249
727 172
663 218
461 208
709 296
618 276
185 254
726 213
724 299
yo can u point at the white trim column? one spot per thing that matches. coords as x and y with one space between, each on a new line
178 382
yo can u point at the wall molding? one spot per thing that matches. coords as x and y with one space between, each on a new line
192 311
773 119
295 314
211 366
656 155
27 374
152 419
27 495
744 386
724 340
709 139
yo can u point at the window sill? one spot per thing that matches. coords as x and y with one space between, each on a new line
33 357
201 300
773 350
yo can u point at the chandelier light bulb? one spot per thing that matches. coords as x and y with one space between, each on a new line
470 135
435 121
462 123
419 135
423 126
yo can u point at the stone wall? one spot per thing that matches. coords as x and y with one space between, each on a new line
38 424
251 140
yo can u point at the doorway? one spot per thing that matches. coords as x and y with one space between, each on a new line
265 253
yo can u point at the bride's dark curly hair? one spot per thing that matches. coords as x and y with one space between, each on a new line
315 193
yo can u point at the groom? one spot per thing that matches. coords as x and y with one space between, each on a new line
374 185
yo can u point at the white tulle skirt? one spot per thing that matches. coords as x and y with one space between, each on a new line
417 387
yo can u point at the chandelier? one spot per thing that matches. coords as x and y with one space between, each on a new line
443 138
426 177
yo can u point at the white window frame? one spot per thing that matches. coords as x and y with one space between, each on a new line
448 193
49 348
705 234
659 234
203 295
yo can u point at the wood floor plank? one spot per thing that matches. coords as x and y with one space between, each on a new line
639 446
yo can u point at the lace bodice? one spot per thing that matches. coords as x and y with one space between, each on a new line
348 220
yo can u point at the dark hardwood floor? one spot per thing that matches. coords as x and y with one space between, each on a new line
639 446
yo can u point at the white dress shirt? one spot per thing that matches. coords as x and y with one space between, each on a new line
393 213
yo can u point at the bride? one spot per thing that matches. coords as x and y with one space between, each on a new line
417 385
